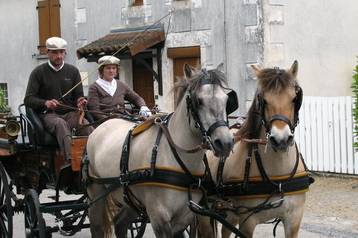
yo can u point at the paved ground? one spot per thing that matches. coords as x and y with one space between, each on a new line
331 211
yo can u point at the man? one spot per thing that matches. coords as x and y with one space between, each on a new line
54 91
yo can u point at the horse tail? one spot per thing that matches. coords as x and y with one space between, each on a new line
111 210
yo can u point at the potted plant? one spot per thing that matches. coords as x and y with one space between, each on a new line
4 108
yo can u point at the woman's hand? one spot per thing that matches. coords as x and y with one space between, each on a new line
144 111
81 102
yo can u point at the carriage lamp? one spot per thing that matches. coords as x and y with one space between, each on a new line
12 128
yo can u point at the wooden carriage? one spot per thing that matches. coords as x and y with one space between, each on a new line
30 162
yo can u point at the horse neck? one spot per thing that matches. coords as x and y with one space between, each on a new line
277 162
184 135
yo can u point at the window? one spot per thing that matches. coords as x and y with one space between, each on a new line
49 21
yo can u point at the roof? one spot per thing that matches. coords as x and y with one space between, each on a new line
132 40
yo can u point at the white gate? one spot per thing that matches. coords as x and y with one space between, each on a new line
325 134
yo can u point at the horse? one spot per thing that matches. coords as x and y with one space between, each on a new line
265 178
199 116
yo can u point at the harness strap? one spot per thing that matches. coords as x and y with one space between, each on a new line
262 170
220 170
247 167
155 152
142 176
125 152
232 189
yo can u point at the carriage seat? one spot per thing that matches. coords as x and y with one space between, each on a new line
37 133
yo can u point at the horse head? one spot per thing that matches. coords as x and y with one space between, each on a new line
278 101
206 98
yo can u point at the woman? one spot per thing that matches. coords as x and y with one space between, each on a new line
108 94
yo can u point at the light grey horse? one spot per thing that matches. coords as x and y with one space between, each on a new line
201 110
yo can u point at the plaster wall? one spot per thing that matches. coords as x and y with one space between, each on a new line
321 35
18 45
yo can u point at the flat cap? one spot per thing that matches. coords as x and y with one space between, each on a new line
108 59
56 43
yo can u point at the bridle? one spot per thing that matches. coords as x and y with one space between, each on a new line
193 110
279 117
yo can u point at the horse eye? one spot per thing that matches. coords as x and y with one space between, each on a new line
200 102
294 99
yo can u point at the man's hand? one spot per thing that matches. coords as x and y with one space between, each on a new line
52 104
81 102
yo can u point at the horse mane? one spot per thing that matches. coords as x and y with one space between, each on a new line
199 76
270 79
249 128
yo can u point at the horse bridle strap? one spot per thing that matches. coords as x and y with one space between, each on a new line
279 117
262 170
171 142
216 125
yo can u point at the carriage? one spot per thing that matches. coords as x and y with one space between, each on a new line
29 163
32 165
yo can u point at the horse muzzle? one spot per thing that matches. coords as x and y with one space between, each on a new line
280 139
222 141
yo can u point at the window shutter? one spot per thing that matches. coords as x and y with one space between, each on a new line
55 25
137 3
44 24
49 21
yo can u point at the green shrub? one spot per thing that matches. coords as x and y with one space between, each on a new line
3 104
355 106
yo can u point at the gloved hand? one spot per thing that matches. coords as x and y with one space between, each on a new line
144 111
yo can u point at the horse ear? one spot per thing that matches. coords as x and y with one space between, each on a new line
188 71
294 68
256 69
221 67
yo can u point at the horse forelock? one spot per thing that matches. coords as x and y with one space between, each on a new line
198 79
275 80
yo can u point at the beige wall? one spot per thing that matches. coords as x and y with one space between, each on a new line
321 35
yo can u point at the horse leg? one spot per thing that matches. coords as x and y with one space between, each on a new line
292 224
96 211
232 219
123 220
160 222
206 227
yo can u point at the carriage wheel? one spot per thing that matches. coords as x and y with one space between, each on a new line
137 228
34 222
6 211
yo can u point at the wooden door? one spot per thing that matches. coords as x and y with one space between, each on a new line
143 82
178 64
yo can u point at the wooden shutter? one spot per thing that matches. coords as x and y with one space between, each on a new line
49 21
55 24
44 24
137 3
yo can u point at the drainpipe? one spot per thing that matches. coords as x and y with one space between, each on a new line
225 38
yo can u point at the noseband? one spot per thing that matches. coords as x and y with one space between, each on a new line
193 105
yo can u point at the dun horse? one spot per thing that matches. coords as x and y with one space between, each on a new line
266 181
199 116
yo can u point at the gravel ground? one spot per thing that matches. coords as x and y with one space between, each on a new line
331 211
